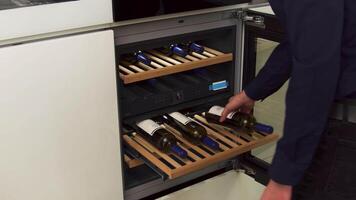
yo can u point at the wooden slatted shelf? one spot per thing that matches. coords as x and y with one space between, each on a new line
163 65
231 145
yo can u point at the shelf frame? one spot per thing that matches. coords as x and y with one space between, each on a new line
159 72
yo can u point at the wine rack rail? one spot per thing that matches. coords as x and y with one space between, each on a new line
232 143
163 65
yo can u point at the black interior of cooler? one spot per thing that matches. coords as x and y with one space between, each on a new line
155 94
181 91
139 175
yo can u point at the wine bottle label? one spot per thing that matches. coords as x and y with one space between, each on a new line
149 126
218 110
180 117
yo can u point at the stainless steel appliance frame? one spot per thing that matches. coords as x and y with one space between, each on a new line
114 25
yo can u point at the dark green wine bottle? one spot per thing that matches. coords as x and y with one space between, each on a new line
160 137
174 49
190 130
235 120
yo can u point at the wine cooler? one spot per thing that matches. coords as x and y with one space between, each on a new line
132 110
184 66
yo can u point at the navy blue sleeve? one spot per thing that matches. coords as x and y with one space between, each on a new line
314 31
273 75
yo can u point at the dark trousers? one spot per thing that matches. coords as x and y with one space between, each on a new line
332 174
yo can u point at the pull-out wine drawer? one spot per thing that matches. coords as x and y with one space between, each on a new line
232 143
162 65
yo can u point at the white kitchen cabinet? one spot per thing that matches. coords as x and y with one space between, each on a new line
229 186
59 134
32 20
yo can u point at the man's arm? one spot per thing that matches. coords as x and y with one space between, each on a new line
315 32
273 75
278 67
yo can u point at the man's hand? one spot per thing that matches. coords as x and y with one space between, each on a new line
276 191
238 102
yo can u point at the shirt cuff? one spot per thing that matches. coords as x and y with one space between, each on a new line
253 92
286 172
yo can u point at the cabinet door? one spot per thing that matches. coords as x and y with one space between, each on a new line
59 134
259 44
20 18
229 186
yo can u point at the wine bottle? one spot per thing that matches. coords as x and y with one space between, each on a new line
138 56
174 49
194 47
160 137
237 120
263 128
190 130
141 57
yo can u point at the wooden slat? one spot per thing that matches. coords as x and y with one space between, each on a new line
144 66
222 156
222 131
176 69
132 163
164 57
150 148
156 65
196 148
256 135
232 136
240 133
192 58
127 158
210 55
259 135
217 135
124 69
131 66
158 60
181 59
199 55
144 143
153 159
213 51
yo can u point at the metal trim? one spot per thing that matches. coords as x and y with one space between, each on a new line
63 33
